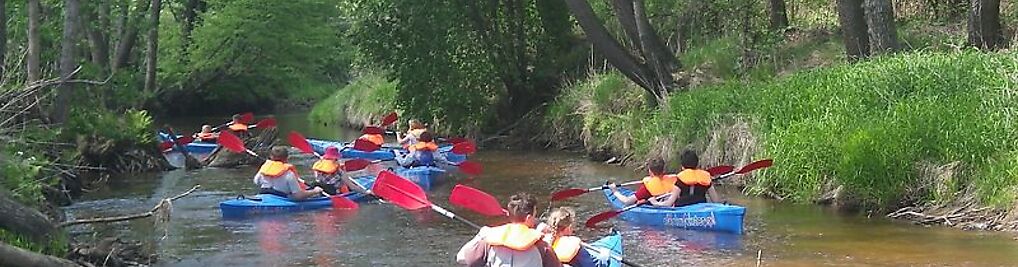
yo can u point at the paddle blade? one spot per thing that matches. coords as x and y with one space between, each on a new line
231 142
365 145
389 119
246 118
355 164
476 200
719 170
266 123
600 217
464 148
340 202
185 140
456 140
471 168
164 146
756 165
297 140
568 193
372 130
400 191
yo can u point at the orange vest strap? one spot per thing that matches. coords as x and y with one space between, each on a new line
566 248
429 146
206 136
238 127
273 169
695 177
325 166
658 185
514 236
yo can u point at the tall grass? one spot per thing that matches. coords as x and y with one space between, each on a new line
368 95
863 126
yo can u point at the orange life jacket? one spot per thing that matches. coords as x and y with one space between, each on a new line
566 248
206 136
658 185
373 138
692 177
325 166
429 146
275 169
514 236
238 127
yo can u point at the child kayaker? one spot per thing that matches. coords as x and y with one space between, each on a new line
237 126
693 182
375 138
206 135
513 244
423 153
558 229
657 188
413 134
279 178
329 174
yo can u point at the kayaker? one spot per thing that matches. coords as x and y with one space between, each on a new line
558 230
414 133
693 182
206 135
423 153
237 126
376 139
658 188
513 244
279 178
328 172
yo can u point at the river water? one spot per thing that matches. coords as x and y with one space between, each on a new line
778 234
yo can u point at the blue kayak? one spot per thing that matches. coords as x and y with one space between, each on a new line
612 243
272 204
424 176
196 147
384 153
702 216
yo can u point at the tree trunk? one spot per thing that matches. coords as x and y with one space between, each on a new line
34 49
3 37
778 14
97 37
627 19
129 36
882 30
853 29
153 47
984 30
14 256
67 60
658 57
610 48
26 221
191 8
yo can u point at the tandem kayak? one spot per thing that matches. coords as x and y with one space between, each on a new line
196 147
261 204
702 216
424 176
612 243
384 153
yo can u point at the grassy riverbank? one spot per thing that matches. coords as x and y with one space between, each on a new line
868 128
366 96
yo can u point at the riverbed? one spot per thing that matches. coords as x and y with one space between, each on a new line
778 233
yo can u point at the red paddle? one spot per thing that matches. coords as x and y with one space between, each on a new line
604 216
408 195
471 168
572 192
389 119
464 148
246 118
372 130
231 142
297 140
266 123
365 145
483 203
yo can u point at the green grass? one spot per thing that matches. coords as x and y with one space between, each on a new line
368 95
864 126
56 247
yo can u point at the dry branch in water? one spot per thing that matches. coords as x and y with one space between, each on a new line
165 203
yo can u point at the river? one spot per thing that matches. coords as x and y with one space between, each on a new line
778 233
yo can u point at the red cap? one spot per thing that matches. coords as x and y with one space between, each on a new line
331 153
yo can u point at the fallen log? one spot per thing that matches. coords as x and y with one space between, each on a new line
26 221
15 256
165 203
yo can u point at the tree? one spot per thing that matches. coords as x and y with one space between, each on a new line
97 19
3 37
67 60
883 33
853 29
128 34
778 14
34 49
152 49
984 30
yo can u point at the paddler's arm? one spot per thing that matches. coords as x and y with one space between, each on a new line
714 196
666 200
628 200
473 253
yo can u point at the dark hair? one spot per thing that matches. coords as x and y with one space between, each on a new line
689 159
279 153
656 165
425 137
236 117
520 205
